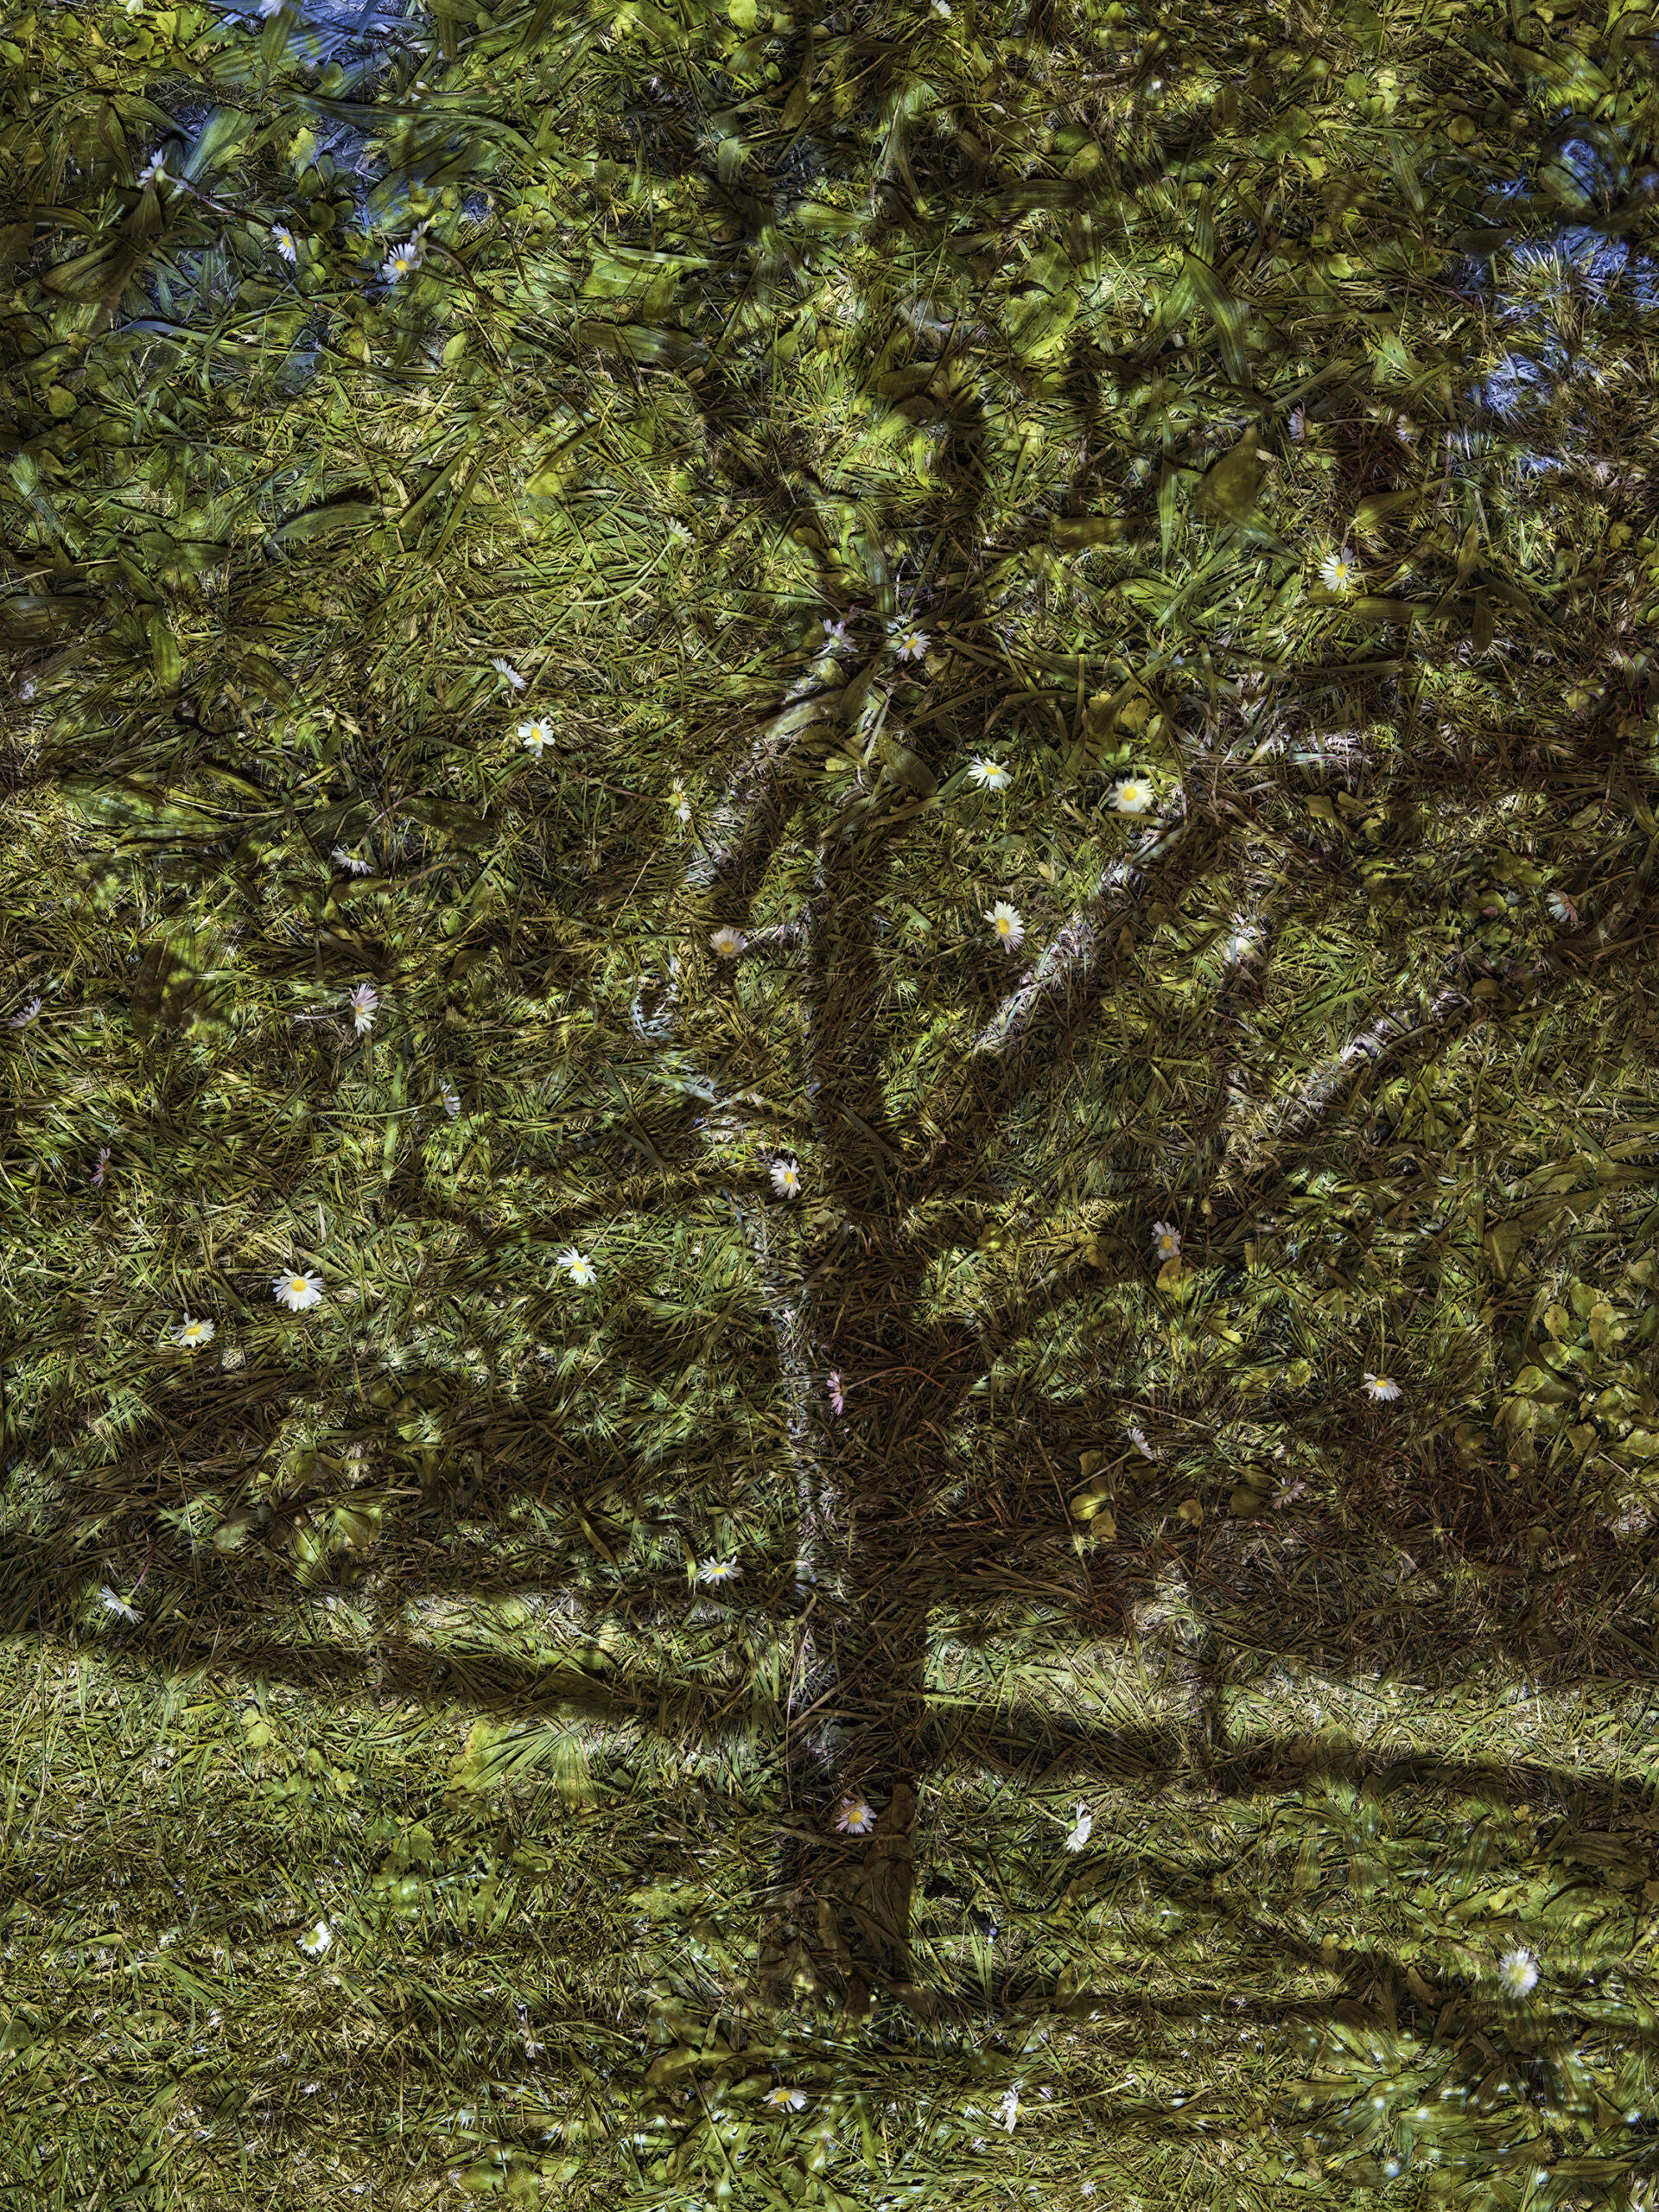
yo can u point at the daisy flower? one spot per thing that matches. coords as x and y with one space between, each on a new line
119 1604
1008 2111
342 858
679 801
536 736
1138 1438
451 1098
317 1942
854 1817
153 174
1561 909
283 238
24 1015
505 670
1132 795
678 534
908 642
1005 921
1518 1972
364 1001
1337 572
787 2100
727 941
837 1396
194 1333
579 1268
299 1292
989 775
1080 1832
718 1570
786 1179
1165 1241
835 633
403 260
1382 1387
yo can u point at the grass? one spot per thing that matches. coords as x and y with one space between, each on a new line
791 413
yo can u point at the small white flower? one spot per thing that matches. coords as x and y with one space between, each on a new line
451 1100
680 804
1132 795
854 1817
908 642
1006 923
1382 1387
1008 2111
194 1333
317 1942
342 858
505 670
363 1002
786 1179
403 260
1337 572
942 8
1165 1241
103 1167
835 633
1082 1828
787 2100
678 534
1561 909
135 7
989 775
579 1268
727 941
1241 943
24 1015
1138 1438
153 174
718 1570
1518 1972
536 736
299 1292
119 1604
283 238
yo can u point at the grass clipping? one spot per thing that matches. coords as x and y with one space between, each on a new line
827 1183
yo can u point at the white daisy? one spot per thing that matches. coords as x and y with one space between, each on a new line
1008 2111
317 1942
536 736
119 1604
451 1098
854 1817
24 1015
727 941
1518 1972
1082 1827
579 1268
679 801
1561 908
678 534
283 238
363 1002
908 642
1337 572
342 858
505 670
989 775
1138 1438
835 633
1132 795
299 1292
1382 1387
403 260
194 1333
786 1179
153 174
1165 1241
787 2100
1005 921
718 1570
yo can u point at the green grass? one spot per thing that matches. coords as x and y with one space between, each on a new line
1074 340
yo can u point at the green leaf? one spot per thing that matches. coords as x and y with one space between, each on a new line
1231 487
